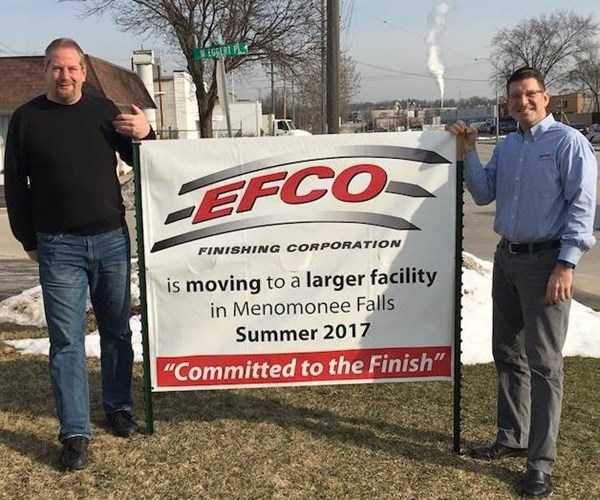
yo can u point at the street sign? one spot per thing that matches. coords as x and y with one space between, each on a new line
231 50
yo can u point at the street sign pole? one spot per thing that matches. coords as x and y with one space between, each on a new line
222 93
220 52
222 88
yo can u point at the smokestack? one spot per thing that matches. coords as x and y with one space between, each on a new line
143 61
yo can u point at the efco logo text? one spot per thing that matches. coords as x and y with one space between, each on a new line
240 189
288 189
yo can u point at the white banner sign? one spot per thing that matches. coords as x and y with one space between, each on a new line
299 260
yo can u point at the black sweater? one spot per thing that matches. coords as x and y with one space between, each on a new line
60 168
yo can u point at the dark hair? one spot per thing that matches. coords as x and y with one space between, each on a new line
60 43
525 73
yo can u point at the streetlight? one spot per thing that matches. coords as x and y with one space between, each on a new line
497 111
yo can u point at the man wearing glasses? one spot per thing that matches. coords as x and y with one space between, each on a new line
543 180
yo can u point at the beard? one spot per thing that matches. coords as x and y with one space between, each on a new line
67 94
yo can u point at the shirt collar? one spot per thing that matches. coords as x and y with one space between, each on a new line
539 128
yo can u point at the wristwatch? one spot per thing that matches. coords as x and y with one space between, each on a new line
565 263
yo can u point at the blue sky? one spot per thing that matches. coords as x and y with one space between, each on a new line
385 37
391 35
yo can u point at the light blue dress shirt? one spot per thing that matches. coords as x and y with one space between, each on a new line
544 183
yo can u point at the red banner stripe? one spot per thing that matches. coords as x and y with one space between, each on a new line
304 367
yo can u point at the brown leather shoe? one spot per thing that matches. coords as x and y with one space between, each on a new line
496 451
535 484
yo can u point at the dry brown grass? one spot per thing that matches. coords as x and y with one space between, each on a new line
383 441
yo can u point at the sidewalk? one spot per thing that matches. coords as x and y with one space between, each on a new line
17 272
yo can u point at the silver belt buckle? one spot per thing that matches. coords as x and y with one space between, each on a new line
511 247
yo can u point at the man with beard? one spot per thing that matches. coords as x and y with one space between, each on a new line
65 207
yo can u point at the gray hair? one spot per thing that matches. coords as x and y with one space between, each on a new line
60 43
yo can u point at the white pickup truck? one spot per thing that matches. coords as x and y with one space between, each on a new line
281 126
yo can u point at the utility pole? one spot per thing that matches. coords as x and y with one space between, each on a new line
497 111
284 98
293 101
272 90
333 55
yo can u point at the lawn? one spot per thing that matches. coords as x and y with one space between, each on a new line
326 442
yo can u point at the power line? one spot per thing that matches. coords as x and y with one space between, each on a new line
418 36
10 50
419 75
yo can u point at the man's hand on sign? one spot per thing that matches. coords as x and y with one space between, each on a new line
467 134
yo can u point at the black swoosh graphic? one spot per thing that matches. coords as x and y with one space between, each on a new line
393 152
407 189
368 218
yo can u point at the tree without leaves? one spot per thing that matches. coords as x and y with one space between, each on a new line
349 83
310 89
282 31
546 43
585 75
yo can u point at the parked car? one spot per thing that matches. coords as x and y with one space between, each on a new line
582 127
507 125
482 127
593 134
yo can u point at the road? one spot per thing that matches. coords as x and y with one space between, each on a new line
480 240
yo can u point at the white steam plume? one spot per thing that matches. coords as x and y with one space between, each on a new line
437 22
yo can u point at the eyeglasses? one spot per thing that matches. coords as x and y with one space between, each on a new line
530 94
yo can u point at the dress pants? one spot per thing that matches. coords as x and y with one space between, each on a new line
527 341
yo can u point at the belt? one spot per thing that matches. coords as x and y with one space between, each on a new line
514 248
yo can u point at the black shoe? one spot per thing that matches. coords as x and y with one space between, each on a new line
122 424
535 484
74 455
496 451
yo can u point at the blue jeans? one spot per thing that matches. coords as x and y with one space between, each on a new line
69 266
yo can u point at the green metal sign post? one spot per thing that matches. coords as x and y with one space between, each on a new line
139 223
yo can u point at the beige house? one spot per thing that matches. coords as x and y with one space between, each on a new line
574 109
